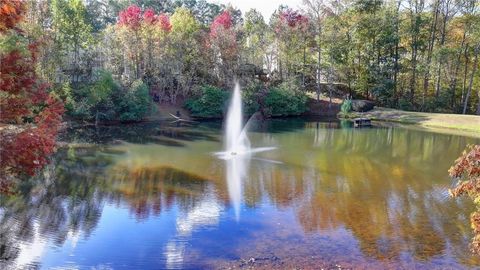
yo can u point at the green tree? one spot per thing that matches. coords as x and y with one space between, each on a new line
73 33
256 38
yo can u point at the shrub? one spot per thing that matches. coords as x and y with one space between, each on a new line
65 93
285 100
135 103
210 104
251 95
346 106
105 99
405 104
438 104
94 100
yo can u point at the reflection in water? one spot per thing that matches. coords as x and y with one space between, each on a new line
364 198
237 168
206 213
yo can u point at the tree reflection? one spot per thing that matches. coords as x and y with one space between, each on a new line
377 184
147 190
68 198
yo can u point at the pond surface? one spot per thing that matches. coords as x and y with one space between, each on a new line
153 196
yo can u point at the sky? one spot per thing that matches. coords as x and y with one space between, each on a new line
266 7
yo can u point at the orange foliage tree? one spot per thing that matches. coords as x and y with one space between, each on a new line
24 147
10 14
467 170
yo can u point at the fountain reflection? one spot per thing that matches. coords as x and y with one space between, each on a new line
237 169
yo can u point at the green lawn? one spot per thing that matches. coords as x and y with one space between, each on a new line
465 123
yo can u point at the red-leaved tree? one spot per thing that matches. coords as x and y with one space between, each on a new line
139 33
294 19
223 43
29 116
131 17
10 14
467 170
164 22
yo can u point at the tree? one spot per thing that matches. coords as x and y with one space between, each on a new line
256 38
73 33
101 13
416 23
129 24
317 11
474 70
223 43
10 14
203 11
25 101
467 171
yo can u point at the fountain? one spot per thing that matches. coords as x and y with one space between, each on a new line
238 150
235 136
236 139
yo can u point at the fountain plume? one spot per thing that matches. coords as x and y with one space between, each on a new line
235 135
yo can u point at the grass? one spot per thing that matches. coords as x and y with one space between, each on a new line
466 123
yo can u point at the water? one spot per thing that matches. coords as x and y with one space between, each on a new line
152 196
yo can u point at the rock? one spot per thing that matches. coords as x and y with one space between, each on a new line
360 105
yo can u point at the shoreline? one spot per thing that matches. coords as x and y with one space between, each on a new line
457 124
438 122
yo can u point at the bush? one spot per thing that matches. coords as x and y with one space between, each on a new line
346 106
438 105
65 93
210 104
94 101
285 100
405 104
104 99
251 95
135 103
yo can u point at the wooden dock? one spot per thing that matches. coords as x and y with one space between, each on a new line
362 122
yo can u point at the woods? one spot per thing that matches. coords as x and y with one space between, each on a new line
119 60
413 55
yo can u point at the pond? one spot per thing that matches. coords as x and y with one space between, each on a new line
154 196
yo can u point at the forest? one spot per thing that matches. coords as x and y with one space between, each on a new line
120 61
109 60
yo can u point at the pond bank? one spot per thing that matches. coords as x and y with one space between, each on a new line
468 124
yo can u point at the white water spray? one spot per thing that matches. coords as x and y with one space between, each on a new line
235 135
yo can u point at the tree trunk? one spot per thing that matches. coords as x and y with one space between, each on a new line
442 43
304 63
397 40
413 81
453 85
474 69
433 28
416 8
96 118
319 59
465 74
478 104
